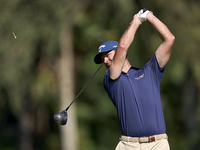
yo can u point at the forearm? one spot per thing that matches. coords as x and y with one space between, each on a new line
160 27
128 36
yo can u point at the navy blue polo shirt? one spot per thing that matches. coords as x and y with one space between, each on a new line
136 96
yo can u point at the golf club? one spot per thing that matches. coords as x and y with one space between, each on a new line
61 116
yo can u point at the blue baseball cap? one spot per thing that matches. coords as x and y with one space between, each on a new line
105 47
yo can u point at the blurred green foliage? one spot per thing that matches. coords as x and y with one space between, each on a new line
29 91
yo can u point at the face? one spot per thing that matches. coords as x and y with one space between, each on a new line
107 57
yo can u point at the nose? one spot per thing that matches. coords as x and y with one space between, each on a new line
105 59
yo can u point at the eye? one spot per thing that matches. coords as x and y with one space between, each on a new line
108 54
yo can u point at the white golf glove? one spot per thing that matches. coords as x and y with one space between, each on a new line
142 14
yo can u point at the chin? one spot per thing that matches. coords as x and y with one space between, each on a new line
107 66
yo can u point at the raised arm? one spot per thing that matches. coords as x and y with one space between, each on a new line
122 48
164 50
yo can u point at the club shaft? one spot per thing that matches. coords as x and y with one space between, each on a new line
83 87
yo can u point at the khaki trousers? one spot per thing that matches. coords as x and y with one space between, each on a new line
156 145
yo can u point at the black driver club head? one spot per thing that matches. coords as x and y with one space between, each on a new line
61 117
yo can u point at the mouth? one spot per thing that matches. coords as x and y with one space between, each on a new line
108 64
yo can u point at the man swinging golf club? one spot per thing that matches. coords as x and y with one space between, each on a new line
135 92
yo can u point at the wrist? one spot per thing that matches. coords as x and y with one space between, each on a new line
149 16
136 20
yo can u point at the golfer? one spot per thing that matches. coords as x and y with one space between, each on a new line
136 92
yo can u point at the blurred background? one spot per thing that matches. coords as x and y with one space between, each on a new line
51 58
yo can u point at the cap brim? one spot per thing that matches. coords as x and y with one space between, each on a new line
97 58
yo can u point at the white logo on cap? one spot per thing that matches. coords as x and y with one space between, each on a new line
102 46
114 46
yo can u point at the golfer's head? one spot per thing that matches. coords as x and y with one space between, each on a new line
107 57
106 53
